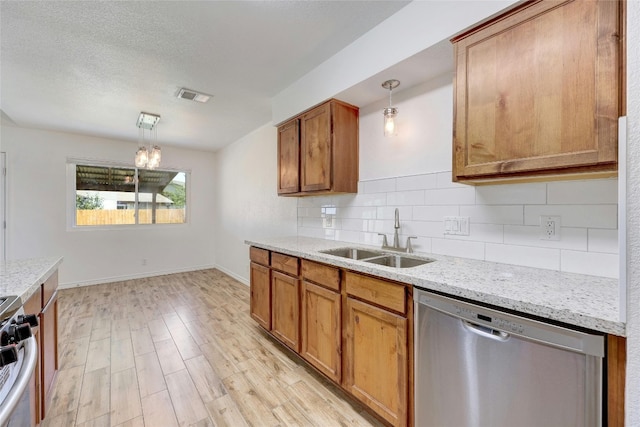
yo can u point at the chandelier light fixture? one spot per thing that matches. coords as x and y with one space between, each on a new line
390 112
148 157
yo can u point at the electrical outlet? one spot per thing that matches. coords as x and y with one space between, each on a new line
549 227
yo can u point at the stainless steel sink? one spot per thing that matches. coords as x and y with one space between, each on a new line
399 261
353 253
379 257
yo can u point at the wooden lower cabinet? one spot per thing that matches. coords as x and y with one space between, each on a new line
33 306
260 300
285 309
49 350
376 359
44 304
321 329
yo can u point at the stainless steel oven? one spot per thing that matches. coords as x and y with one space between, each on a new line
18 357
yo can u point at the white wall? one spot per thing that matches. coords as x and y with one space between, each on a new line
423 143
414 28
247 203
37 213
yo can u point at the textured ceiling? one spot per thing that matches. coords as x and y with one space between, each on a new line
91 67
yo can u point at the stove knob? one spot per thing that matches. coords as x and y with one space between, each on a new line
18 333
31 319
8 354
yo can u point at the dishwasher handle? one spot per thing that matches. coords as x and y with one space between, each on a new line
485 331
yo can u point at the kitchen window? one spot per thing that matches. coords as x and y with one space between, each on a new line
114 195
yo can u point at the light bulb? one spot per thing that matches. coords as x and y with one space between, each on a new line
390 128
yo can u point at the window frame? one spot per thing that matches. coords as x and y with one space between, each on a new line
71 196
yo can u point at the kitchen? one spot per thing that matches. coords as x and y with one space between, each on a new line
248 166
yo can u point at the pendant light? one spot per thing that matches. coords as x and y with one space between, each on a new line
390 112
148 157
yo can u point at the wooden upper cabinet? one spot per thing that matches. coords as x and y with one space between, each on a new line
538 91
289 157
318 151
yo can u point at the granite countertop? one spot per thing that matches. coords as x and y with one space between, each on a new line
587 301
24 277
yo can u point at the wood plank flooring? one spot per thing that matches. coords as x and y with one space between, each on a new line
181 350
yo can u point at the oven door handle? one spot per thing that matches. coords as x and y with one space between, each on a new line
22 381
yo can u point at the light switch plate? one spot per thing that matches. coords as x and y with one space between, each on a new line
456 225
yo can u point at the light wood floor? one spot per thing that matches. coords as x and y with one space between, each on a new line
181 350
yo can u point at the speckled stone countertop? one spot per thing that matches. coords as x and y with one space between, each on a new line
586 301
23 277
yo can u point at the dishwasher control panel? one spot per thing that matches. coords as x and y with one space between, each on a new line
505 324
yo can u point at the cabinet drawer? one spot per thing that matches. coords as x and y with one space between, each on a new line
380 292
259 256
321 274
285 263
49 288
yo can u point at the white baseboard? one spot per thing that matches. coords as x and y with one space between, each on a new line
240 279
135 276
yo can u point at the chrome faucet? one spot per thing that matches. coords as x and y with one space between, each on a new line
396 239
396 226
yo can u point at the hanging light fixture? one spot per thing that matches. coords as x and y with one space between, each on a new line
148 157
390 112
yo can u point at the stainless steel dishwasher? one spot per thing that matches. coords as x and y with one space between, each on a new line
479 367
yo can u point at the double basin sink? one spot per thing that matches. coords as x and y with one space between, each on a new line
379 257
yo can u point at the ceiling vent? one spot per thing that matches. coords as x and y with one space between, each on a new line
192 95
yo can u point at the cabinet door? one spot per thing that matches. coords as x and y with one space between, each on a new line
320 324
538 92
49 350
260 302
289 157
33 306
285 309
376 360
315 137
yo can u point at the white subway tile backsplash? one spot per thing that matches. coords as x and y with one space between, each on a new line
424 228
355 224
444 180
524 255
490 233
373 199
405 198
494 214
588 192
588 216
388 212
524 235
312 222
416 182
450 196
459 248
592 263
603 241
421 244
434 213
512 194
380 186
358 212
504 220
